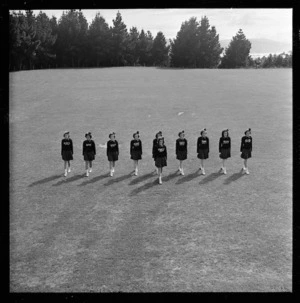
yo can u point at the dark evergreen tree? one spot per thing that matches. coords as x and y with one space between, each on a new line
236 54
160 50
184 47
72 39
45 54
143 48
196 45
23 43
99 39
132 51
214 50
119 41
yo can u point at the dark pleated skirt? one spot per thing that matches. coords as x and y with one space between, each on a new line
90 156
136 155
67 155
113 156
225 153
246 153
203 154
160 161
181 155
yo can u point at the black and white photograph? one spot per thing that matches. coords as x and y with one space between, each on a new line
151 150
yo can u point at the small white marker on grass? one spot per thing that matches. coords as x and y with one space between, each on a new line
180 113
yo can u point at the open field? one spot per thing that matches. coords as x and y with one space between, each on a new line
212 233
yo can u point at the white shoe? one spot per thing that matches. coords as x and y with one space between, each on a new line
203 171
87 173
136 172
159 180
90 170
69 169
111 173
113 169
224 171
247 171
182 172
179 169
65 174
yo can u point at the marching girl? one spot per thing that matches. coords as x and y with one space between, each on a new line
136 151
181 150
67 152
88 152
112 152
246 149
224 149
203 148
160 154
155 142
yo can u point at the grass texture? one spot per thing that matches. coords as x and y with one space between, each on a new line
193 233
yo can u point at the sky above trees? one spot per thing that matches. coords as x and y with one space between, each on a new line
274 24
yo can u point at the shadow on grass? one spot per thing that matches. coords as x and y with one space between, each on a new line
137 180
93 180
189 177
144 187
119 179
171 176
234 177
210 178
68 180
48 179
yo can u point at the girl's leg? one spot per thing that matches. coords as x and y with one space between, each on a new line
136 166
87 168
160 175
69 167
246 166
91 165
110 168
181 167
65 168
113 165
202 165
224 168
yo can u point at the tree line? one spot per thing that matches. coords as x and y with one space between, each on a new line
37 42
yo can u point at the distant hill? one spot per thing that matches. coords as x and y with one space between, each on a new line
264 46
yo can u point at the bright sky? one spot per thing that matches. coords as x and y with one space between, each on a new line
274 24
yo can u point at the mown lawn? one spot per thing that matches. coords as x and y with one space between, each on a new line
193 233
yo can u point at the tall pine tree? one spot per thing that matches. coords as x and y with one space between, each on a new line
236 54
99 39
160 50
119 40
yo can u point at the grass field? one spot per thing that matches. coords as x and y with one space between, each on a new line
193 233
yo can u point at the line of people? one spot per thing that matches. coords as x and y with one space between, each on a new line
159 151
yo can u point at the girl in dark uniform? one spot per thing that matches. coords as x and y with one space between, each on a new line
136 151
160 154
67 152
112 152
203 148
88 152
181 150
224 149
155 142
246 149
